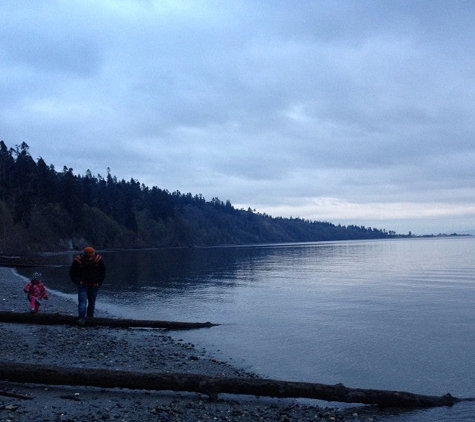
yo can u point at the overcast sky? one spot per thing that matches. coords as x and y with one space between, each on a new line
352 112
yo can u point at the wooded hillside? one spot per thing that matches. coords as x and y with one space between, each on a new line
42 209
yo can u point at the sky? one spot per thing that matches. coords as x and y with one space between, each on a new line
345 111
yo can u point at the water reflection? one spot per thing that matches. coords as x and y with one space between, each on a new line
193 268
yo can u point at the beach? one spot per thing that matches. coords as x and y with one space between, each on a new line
149 350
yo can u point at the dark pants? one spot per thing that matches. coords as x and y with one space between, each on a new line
87 300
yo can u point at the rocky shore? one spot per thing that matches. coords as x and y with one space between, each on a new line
130 350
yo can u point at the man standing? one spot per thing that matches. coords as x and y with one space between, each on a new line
87 272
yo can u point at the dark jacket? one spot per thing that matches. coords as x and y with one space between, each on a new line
90 272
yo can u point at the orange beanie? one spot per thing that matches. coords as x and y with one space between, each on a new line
89 251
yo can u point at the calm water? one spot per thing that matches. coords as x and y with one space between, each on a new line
397 315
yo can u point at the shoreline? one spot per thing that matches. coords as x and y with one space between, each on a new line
134 350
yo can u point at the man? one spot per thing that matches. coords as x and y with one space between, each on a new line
87 272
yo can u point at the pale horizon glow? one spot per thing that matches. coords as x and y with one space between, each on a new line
376 214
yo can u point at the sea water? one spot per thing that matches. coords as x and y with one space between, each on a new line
380 314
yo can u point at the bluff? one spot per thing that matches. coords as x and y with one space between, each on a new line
42 209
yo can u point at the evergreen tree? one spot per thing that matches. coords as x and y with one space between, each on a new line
42 209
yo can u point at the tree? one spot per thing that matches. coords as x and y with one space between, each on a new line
69 209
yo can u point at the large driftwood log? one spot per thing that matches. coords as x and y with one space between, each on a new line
104 378
15 395
60 319
23 261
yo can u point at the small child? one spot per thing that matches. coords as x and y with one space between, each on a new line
35 291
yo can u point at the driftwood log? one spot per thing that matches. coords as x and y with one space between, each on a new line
15 395
23 261
105 378
60 319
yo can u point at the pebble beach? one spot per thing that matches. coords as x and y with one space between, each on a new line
127 350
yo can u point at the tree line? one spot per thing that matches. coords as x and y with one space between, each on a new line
42 209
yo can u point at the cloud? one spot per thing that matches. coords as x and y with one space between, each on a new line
276 106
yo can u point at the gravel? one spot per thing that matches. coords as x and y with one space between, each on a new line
134 350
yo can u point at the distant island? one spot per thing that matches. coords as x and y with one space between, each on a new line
42 209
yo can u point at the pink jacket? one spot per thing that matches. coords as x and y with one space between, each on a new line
36 290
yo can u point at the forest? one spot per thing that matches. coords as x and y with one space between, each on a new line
42 209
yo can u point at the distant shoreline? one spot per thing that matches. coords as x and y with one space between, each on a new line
35 259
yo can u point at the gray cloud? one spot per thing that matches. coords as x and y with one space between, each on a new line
310 109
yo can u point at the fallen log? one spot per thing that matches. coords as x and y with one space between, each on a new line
105 378
60 319
23 261
15 395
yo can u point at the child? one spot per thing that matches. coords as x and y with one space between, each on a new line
35 291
